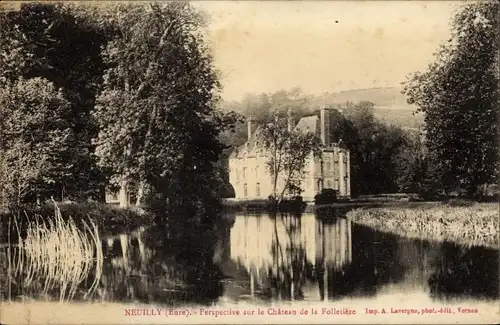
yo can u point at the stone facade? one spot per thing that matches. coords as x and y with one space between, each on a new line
250 177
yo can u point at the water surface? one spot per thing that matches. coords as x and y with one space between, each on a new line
259 259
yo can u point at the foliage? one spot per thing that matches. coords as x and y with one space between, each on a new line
36 138
51 43
327 196
374 147
288 153
411 164
459 96
156 111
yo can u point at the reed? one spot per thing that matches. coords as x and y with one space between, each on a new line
476 225
58 254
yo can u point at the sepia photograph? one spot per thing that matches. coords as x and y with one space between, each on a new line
249 162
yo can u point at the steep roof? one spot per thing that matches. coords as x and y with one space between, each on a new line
309 124
256 140
305 124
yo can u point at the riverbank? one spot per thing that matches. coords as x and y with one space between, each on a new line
263 205
110 220
477 224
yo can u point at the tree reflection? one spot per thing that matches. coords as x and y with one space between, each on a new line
291 254
171 265
290 265
465 271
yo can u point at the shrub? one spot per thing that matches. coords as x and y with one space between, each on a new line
326 196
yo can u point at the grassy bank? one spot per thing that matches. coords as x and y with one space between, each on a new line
476 224
110 220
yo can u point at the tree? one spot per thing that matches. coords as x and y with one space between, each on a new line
36 139
459 96
410 162
156 111
57 43
373 146
288 153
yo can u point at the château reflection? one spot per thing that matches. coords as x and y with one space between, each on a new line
305 258
291 256
261 257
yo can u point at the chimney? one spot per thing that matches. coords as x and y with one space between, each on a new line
290 120
325 125
249 127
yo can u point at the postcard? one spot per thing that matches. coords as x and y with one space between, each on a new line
249 162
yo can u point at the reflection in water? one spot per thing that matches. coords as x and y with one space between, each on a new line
461 271
294 257
285 257
287 251
156 266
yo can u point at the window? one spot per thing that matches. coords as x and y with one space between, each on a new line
244 172
245 191
329 184
257 190
337 184
328 166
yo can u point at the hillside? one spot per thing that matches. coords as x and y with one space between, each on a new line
390 104
390 97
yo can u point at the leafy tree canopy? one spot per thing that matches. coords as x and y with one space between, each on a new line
459 96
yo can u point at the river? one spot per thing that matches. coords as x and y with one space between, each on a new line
261 260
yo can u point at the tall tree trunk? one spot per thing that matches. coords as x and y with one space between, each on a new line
140 193
123 197
102 194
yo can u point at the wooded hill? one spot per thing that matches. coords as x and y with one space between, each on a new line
390 104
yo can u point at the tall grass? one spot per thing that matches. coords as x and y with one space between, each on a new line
470 225
55 253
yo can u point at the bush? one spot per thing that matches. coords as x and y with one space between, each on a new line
326 196
293 205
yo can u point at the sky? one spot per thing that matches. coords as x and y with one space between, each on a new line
322 46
